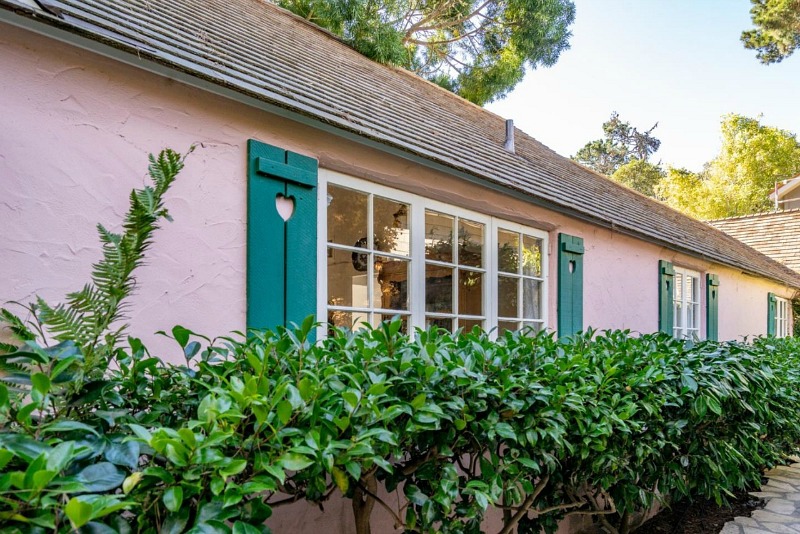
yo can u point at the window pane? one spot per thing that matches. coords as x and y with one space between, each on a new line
531 299
507 291
438 289
690 290
470 243
392 277
531 256
403 319
439 236
445 323
679 314
470 293
508 251
532 328
391 226
348 320
678 297
469 324
341 319
690 316
347 286
502 326
347 217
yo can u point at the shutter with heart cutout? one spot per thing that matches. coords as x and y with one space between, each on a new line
281 236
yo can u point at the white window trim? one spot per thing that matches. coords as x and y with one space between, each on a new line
783 315
418 204
684 308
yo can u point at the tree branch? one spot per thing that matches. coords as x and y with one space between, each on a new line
529 500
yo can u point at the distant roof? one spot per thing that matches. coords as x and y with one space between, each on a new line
786 187
261 51
775 234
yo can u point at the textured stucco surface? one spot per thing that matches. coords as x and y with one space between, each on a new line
75 131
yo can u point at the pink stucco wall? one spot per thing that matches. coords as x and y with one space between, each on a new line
75 130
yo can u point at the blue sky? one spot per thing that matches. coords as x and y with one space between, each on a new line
676 62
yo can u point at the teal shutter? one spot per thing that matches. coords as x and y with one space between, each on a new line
570 284
772 311
281 255
666 311
712 307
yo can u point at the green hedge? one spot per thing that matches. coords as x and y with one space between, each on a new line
598 424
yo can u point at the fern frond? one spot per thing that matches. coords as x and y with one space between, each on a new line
87 315
17 326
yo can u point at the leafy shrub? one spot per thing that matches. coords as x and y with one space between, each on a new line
598 424
105 438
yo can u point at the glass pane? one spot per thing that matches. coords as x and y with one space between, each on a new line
403 319
470 243
532 328
347 320
390 221
347 286
507 296
531 299
470 293
696 289
679 314
347 217
468 324
508 251
340 319
531 256
502 326
690 290
445 323
439 236
678 297
438 289
690 316
392 276
360 320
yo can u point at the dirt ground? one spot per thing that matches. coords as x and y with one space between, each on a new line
699 516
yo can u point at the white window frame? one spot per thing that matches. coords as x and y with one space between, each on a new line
686 332
416 217
783 317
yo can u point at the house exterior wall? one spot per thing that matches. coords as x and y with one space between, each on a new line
75 130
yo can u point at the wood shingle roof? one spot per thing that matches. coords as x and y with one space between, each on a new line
261 51
775 234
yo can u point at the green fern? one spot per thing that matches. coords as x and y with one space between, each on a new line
87 317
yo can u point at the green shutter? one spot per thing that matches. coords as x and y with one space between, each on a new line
281 255
666 311
570 284
712 307
772 309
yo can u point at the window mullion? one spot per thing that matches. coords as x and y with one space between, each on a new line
490 288
417 282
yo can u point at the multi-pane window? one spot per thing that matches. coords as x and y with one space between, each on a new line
391 253
686 303
368 258
519 280
454 271
783 315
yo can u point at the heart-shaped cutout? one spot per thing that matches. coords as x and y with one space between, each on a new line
285 206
